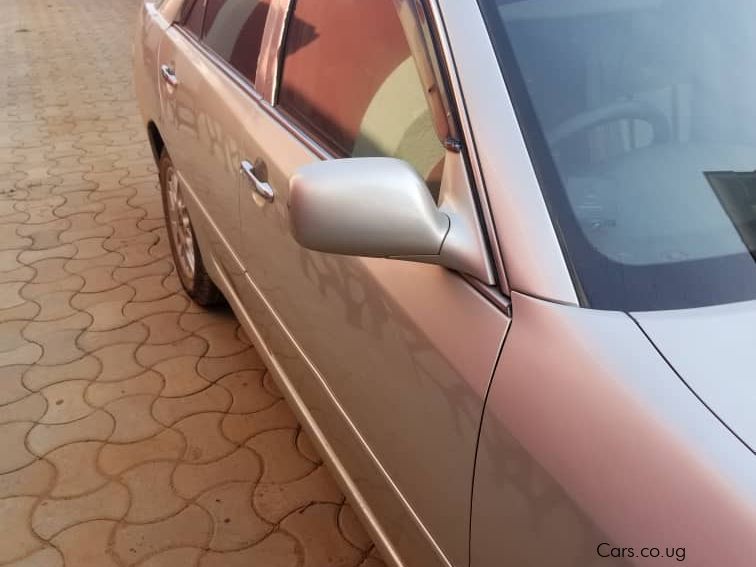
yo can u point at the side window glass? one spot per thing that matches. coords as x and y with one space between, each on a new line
349 78
234 30
192 13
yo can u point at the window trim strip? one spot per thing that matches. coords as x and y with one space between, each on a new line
412 16
270 63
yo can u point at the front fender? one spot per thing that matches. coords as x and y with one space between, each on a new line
589 437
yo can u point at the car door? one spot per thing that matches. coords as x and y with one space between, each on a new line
391 359
208 61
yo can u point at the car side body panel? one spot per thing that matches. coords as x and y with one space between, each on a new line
588 435
587 426
387 363
392 358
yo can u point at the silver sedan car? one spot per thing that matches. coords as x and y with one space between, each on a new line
499 255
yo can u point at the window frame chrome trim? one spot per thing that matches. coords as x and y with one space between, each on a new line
270 63
412 15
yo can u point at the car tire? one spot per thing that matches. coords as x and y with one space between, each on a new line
187 257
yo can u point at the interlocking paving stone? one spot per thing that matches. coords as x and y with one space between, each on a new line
58 338
76 468
191 480
36 378
65 402
277 550
30 408
32 480
18 538
191 526
46 557
99 394
152 496
248 391
86 544
180 556
316 529
13 441
205 441
133 418
283 462
43 438
235 523
181 376
12 386
136 428
9 294
52 516
115 458
53 306
276 501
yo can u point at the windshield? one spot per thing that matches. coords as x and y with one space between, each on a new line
640 118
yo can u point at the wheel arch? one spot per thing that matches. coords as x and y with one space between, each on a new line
156 140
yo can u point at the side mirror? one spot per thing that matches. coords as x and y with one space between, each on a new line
376 207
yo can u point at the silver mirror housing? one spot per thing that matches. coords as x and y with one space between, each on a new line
375 207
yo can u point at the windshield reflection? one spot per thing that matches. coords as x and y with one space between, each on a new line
634 112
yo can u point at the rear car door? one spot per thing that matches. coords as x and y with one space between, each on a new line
392 359
206 113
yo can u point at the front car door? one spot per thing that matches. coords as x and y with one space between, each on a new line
391 359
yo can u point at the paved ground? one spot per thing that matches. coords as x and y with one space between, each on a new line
135 428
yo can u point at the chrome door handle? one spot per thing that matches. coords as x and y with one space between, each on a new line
169 75
261 187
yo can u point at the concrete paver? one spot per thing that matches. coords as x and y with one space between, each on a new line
135 427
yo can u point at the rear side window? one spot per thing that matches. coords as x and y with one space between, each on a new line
192 13
234 30
350 80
